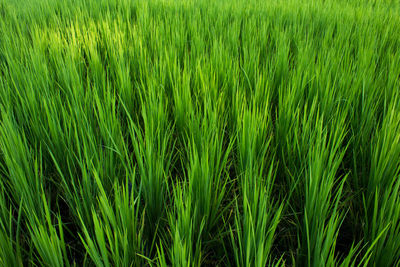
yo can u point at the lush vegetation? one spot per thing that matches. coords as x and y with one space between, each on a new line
188 133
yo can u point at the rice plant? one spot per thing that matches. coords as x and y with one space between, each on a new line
198 133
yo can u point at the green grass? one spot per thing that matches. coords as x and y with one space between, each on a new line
198 133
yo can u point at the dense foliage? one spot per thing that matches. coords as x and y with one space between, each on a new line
188 133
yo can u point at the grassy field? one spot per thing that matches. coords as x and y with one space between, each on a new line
199 133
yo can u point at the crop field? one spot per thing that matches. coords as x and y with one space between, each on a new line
199 133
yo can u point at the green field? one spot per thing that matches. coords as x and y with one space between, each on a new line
199 133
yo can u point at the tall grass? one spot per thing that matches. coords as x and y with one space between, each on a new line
188 133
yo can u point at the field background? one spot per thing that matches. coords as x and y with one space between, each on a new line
199 133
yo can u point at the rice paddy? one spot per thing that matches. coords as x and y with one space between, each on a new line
199 133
